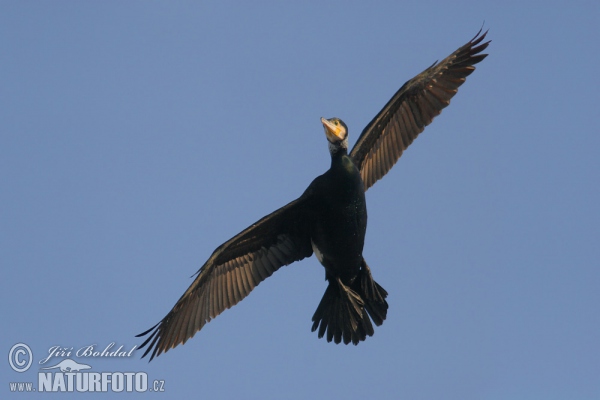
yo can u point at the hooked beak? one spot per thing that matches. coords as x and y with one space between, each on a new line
333 132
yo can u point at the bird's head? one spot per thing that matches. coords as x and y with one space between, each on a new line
337 134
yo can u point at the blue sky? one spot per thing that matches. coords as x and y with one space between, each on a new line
138 136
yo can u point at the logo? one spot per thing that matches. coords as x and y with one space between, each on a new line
20 357
71 379
69 375
69 365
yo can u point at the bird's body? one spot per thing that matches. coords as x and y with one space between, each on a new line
340 220
337 235
329 219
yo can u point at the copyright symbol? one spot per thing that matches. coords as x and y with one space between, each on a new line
20 357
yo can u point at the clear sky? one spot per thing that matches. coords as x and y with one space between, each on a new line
136 137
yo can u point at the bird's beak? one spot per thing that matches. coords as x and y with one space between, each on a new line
334 132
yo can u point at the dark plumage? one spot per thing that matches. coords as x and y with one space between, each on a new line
330 219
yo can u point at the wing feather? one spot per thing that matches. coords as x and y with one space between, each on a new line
233 270
411 109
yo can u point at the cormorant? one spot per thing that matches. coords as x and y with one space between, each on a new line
329 219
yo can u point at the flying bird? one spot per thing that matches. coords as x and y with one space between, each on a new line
329 219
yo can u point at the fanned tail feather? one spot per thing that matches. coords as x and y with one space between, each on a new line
374 295
343 313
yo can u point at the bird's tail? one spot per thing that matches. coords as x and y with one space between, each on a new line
344 310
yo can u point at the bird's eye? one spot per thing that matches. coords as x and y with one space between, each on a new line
336 122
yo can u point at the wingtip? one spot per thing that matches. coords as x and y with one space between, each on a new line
478 38
476 46
150 341
146 332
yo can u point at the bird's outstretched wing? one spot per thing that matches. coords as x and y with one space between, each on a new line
232 271
411 109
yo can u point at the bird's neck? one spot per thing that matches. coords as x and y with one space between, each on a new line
345 179
338 150
340 159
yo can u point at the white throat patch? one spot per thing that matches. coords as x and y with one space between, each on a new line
333 147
